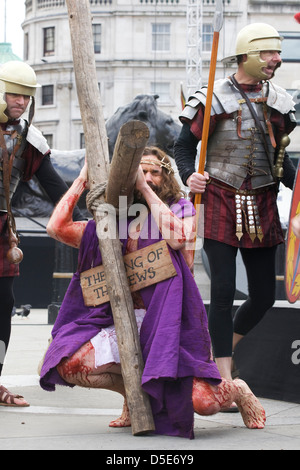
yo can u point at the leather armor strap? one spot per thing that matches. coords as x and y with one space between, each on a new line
265 112
257 122
7 166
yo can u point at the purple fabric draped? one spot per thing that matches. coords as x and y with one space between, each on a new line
174 335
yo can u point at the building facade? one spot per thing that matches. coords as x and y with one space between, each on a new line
141 47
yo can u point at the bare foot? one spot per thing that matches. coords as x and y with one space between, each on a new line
252 412
124 420
209 400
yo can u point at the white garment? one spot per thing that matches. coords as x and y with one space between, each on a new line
105 342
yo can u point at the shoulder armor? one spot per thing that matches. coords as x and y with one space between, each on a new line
37 140
280 99
222 101
292 117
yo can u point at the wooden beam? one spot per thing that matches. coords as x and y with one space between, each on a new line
98 168
128 153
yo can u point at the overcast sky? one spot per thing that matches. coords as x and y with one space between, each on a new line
15 15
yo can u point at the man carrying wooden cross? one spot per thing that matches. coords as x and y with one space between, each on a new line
179 375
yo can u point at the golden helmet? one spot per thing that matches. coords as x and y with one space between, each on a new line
253 39
19 78
257 37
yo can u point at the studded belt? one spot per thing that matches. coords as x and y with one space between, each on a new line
246 210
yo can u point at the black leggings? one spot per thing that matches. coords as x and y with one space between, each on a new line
261 274
6 306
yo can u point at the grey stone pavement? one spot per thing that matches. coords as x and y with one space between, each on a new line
77 419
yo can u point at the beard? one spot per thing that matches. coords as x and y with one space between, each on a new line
138 198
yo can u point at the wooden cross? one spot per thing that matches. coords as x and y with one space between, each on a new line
128 152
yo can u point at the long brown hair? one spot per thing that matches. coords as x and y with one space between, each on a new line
170 191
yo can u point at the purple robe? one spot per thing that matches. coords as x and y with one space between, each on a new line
174 336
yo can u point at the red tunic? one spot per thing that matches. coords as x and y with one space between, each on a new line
219 203
6 269
220 218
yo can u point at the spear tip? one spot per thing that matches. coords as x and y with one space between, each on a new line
218 18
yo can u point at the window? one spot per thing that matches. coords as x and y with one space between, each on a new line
49 138
207 37
97 38
49 40
82 141
162 89
290 47
161 37
47 95
26 46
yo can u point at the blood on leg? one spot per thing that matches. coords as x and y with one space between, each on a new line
80 370
209 400
77 368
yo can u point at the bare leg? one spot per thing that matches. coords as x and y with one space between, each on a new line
209 400
80 370
236 339
124 420
224 366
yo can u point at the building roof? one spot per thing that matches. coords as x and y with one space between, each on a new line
6 53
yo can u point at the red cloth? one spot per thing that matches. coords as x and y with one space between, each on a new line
32 156
33 160
220 218
6 269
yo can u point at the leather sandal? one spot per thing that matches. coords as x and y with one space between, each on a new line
8 399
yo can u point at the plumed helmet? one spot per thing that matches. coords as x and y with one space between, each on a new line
252 40
3 117
19 78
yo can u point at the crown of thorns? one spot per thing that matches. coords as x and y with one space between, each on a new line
160 163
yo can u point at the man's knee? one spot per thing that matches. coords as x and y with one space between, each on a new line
204 401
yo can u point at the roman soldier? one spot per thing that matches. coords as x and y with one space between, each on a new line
24 152
246 159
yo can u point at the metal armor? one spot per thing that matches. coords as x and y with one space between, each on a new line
231 158
14 135
235 150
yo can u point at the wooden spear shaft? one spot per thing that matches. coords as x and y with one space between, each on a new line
218 21
98 169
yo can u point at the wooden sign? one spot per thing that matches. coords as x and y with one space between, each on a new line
144 267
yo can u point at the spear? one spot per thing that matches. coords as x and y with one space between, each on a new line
217 25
